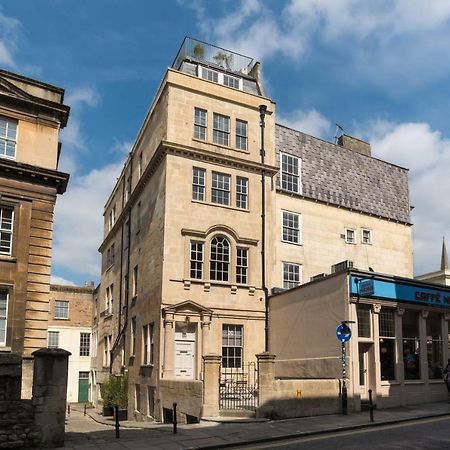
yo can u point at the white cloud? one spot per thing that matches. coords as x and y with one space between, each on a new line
55 279
427 153
72 136
79 221
10 34
309 122
122 147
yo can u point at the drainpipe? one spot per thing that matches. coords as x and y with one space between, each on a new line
262 115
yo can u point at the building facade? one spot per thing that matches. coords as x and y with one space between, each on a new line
399 338
182 257
70 328
31 116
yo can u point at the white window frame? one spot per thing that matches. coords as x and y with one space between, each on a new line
85 344
241 192
299 238
5 231
230 340
242 271
220 77
199 127
242 138
224 274
291 174
347 231
58 307
55 336
369 242
107 350
133 336
198 189
285 281
4 140
223 131
196 265
219 184
4 318
148 344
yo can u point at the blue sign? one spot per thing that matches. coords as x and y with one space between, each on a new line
343 333
399 291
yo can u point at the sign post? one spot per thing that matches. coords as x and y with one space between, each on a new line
343 333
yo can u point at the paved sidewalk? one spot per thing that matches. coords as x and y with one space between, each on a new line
83 432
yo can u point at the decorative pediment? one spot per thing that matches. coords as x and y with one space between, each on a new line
12 90
220 228
186 307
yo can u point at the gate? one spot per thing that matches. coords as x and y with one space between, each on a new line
238 388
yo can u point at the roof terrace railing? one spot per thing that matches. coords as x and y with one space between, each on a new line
192 49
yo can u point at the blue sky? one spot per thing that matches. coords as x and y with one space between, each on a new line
379 69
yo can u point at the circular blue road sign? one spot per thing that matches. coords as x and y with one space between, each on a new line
343 333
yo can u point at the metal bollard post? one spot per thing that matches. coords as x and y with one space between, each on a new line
344 398
68 410
370 405
85 409
117 424
174 418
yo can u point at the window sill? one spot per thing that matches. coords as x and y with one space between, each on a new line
226 147
5 349
435 380
108 316
298 244
147 366
390 383
61 318
8 258
412 382
234 208
109 267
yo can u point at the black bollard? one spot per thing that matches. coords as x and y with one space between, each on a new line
174 418
344 399
68 410
117 424
85 409
370 405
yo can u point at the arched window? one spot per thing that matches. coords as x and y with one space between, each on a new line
220 259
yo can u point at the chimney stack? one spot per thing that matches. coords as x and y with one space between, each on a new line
357 145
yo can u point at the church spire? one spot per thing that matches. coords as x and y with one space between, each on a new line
444 258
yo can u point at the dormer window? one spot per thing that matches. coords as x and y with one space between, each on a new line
231 81
8 137
210 75
219 77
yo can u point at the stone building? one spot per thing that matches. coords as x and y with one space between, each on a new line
31 116
70 328
185 271
442 275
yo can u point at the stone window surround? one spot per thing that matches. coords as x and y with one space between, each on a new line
6 138
232 192
64 304
370 240
232 131
235 242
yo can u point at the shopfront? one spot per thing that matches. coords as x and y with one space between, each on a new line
399 343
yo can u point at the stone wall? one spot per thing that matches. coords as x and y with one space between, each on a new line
17 428
38 422
187 394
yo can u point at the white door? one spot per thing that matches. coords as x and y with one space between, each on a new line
184 359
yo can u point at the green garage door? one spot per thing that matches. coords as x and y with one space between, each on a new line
83 387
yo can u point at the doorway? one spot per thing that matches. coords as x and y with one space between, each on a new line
364 350
185 341
83 387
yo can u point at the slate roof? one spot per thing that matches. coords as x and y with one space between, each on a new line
333 174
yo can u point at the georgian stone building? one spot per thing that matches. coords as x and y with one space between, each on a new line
31 116
185 273
70 328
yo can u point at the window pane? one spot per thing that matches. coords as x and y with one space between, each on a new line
364 328
220 192
61 309
200 123
8 134
241 192
241 135
434 345
241 265
6 229
289 173
232 346
196 260
291 227
219 259
387 324
198 184
85 344
221 129
411 344
387 359
291 275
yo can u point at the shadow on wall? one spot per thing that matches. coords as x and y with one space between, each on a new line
39 422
